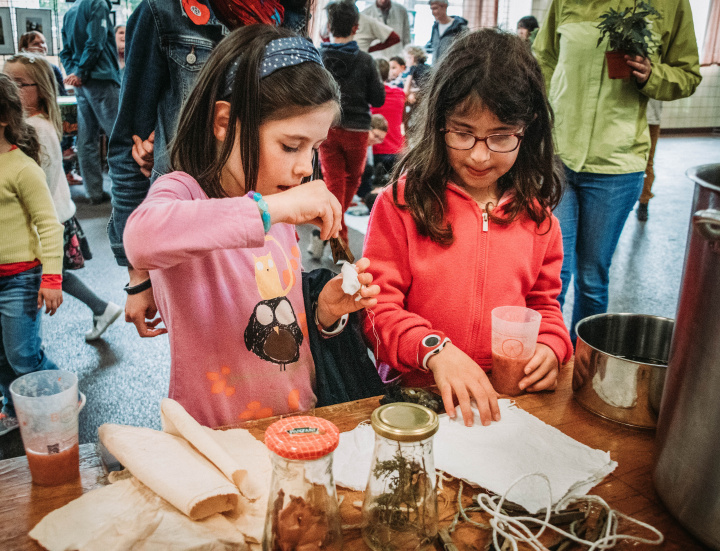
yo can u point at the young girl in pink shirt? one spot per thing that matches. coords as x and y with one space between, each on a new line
218 237
466 226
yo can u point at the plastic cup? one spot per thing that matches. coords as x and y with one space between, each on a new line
514 337
46 404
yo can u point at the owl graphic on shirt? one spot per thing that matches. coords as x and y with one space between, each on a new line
273 332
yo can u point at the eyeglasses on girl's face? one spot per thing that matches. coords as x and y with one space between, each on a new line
498 143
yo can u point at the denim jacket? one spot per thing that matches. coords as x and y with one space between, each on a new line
164 52
89 49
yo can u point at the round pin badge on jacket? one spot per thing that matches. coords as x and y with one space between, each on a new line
197 12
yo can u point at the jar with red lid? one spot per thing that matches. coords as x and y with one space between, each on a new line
303 512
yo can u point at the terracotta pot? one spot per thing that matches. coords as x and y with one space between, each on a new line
616 65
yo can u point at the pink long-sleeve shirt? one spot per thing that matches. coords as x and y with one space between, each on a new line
426 287
231 298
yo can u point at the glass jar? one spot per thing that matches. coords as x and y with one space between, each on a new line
400 507
303 512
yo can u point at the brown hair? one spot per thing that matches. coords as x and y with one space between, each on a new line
17 132
418 53
497 70
42 75
383 68
378 122
253 101
27 38
343 15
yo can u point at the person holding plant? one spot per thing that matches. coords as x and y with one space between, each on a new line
601 130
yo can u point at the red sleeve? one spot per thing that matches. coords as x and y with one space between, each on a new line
386 245
543 298
51 281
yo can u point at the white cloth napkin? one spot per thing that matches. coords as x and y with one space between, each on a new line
350 283
493 457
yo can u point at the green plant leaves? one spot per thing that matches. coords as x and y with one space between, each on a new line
627 30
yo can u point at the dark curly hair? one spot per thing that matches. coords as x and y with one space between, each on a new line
497 70
17 132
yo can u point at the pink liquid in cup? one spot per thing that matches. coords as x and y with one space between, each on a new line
514 337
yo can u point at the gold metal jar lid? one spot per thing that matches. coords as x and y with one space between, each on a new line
405 422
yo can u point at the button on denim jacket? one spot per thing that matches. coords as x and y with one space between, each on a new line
164 53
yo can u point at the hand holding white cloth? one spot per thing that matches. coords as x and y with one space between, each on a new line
351 283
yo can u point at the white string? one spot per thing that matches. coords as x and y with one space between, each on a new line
514 529
377 337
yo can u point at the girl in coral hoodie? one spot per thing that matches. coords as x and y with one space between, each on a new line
466 226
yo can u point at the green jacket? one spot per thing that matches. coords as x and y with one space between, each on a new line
600 124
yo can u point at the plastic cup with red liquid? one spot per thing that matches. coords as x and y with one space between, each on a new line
514 336
46 404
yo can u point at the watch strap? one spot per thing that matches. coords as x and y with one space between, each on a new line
431 345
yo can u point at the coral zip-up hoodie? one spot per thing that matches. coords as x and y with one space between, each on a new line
426 287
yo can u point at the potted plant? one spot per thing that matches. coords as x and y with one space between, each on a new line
628 34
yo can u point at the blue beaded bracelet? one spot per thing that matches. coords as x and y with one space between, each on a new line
262 205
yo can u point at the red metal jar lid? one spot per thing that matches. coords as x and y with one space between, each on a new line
302 438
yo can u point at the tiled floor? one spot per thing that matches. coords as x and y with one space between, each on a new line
125 377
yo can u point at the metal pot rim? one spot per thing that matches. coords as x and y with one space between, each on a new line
698 175
620 315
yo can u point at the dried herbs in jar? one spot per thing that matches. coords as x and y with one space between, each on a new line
400 507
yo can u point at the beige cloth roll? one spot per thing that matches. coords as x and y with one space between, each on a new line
128 515
171 468
218 450
172 478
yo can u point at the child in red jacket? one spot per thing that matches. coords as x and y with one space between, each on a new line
467 226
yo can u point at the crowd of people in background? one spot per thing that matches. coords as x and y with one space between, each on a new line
133 83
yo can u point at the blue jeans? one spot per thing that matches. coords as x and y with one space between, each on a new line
592 214
20 346
97 107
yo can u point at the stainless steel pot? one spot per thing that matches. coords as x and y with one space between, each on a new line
687 472
620 364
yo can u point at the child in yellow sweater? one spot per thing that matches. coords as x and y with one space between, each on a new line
30 252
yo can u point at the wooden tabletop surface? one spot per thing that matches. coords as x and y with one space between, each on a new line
628 489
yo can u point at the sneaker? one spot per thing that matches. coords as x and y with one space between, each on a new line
101 323
317 246
81 401
69 154
642 212
7 423
73 178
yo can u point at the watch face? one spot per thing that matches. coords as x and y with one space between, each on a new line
431 340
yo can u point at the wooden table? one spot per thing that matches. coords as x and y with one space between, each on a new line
628 489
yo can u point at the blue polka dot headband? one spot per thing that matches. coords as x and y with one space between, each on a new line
279 53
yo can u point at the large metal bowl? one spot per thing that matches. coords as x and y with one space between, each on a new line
620 365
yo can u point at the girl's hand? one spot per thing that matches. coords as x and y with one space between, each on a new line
457 373
143 152
140 309
541 371
52 298
641 67
333 302
309 203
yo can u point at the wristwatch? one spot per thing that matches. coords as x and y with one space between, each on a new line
430 345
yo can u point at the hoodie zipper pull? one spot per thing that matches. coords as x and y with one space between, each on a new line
485 221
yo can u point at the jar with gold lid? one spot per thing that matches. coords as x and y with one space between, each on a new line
400 506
